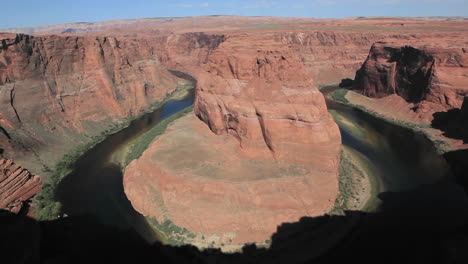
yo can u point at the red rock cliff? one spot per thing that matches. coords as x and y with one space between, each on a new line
432 78
17 186
56 89
270 155
76 78
261 95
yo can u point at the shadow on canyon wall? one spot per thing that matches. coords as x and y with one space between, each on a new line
454 124
426 225
346 83
458 161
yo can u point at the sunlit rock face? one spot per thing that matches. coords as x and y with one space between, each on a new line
260 150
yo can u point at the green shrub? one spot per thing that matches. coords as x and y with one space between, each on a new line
340 96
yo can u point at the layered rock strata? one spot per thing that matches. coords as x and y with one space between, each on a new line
266 151
431 79
55 90
17 186
264 98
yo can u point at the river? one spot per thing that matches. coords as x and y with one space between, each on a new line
401 160
95 187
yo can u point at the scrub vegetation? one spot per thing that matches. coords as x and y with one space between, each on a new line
170 233
358 188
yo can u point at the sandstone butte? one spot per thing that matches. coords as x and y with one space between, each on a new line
247 90
57 90
419 79
264 106
17 186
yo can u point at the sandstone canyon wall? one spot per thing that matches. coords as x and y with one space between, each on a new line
56 91
71 85
430 78
330 56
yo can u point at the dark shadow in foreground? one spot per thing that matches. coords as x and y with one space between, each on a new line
454 122
427 225
458 161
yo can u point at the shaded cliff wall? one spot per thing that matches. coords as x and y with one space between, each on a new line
431 78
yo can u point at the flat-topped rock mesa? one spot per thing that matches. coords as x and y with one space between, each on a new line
428 77
262 96
17 186
267 151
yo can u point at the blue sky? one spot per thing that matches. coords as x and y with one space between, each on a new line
21 13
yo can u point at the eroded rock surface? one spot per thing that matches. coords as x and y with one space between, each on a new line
430 78
265 150
17 186
265 99
202 182
55 90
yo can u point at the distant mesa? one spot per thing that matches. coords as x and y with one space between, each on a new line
69 30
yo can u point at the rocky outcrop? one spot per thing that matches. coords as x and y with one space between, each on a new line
430 78
266 151
204 183
265 99
17 186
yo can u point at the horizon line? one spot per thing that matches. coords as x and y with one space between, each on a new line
218 15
